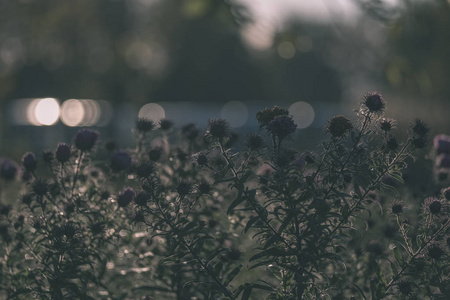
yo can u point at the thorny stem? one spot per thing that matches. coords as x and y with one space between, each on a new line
77 171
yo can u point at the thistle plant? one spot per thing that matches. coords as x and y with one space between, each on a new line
184 215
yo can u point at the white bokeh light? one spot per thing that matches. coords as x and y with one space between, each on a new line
43 111
72 112
152 111
302 113
235 112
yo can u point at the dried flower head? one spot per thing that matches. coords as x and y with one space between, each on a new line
29 161
419 128
85 139
120 161
40 187
145 125
142 198
184 188
267 115
204 187
374 102
420 142
63 152
398 207
339 126
201 159
387 125
218 128
282 126
165 124
433 205
104 194
145 169
435 251
26 198
405 287
126 197
8 169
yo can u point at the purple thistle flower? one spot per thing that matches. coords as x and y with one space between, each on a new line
282 126
374 102
126 197
63 152
443 161
120 161
85 139
8 169
29 161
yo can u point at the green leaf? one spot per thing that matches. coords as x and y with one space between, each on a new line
215 253
359 290
232 274
247 292
250 223
398 256
218 268
236 202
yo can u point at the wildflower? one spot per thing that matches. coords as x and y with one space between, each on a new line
392 144
218 128
204 187
267 115
435 251
47 156
339 126
145 169
145 125
433 205
201 159
37 224
29 161
155 153
441 143
387 125
142 198
120 161
26 199
184 188
165 124
282 126
8 169
397 208
69 230
374 102
40 187
419 128
405 287
85 139
63 152
254 142
126 197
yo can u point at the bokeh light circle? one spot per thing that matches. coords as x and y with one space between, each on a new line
302 113
235 112
152 111
43 111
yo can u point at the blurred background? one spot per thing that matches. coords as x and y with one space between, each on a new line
101 64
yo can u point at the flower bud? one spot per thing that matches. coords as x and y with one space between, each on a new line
120 161
63 153
126 197
85 139
29 161
8 169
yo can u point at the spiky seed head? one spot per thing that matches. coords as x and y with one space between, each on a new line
374 102
339 126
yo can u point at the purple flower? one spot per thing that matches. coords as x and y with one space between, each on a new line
374 102
442 143
63 152
282 126
85 139
8 169
29 161
120 161
126 197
